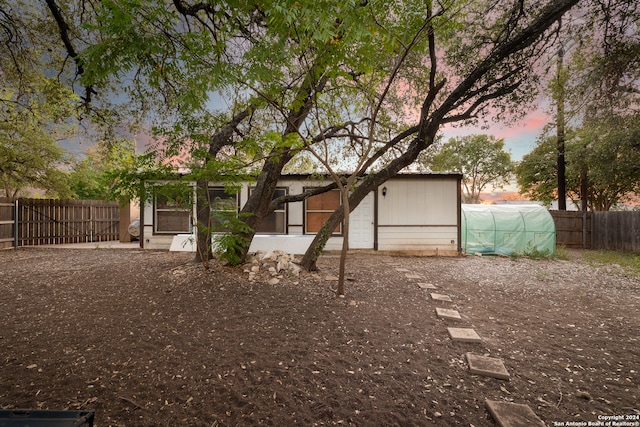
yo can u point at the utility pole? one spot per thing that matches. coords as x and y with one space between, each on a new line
560 131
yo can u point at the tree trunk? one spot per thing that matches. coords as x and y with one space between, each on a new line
584 189
220 139
203 223
344 194
257 206
369 184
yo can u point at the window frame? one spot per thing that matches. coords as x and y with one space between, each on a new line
157 208
337 233
211 204
284 211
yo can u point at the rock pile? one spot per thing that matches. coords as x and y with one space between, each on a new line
276 263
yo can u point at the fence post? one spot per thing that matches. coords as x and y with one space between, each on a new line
16 226
91 223
584 230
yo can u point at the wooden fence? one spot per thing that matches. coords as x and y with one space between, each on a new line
616 230
7 223
573 229
29 222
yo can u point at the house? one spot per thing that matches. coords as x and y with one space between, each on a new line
410 213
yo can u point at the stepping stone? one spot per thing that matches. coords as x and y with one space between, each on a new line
440 297
487 366
464 335
426 286
413 276
513 414
446 313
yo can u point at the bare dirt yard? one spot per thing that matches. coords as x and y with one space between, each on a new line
151 339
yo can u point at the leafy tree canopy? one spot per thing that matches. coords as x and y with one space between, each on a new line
33 118
480 158
606 151
381 76
92 177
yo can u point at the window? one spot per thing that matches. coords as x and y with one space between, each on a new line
223 207
318 209
172 212
276 222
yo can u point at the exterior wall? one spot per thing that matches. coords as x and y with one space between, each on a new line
128 213
421 240
418 214
295 221
148 238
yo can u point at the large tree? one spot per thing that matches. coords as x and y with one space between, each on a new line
481 160
36 108
44 106
270 62
608 149
32 120
487 65
596 81
283 65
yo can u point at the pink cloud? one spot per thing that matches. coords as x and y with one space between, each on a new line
519 138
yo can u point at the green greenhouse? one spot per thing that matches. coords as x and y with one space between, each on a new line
507 230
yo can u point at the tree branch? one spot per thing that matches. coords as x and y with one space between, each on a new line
469 113
224 136
302 196
63 27
525 38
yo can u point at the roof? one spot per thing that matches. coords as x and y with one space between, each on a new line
407 175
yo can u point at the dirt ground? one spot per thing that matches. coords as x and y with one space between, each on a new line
151 339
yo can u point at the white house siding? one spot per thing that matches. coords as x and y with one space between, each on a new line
295 222
419 214
423 240
150 239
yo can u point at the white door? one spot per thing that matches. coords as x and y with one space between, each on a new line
361 224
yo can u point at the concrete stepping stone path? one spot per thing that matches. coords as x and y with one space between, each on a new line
504 413
513 414
446 313
464 335
440 297
487 366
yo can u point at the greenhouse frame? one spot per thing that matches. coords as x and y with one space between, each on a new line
507 230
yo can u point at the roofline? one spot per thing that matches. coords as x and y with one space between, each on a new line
407 175
320 176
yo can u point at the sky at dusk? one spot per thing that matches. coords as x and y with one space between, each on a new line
519 138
